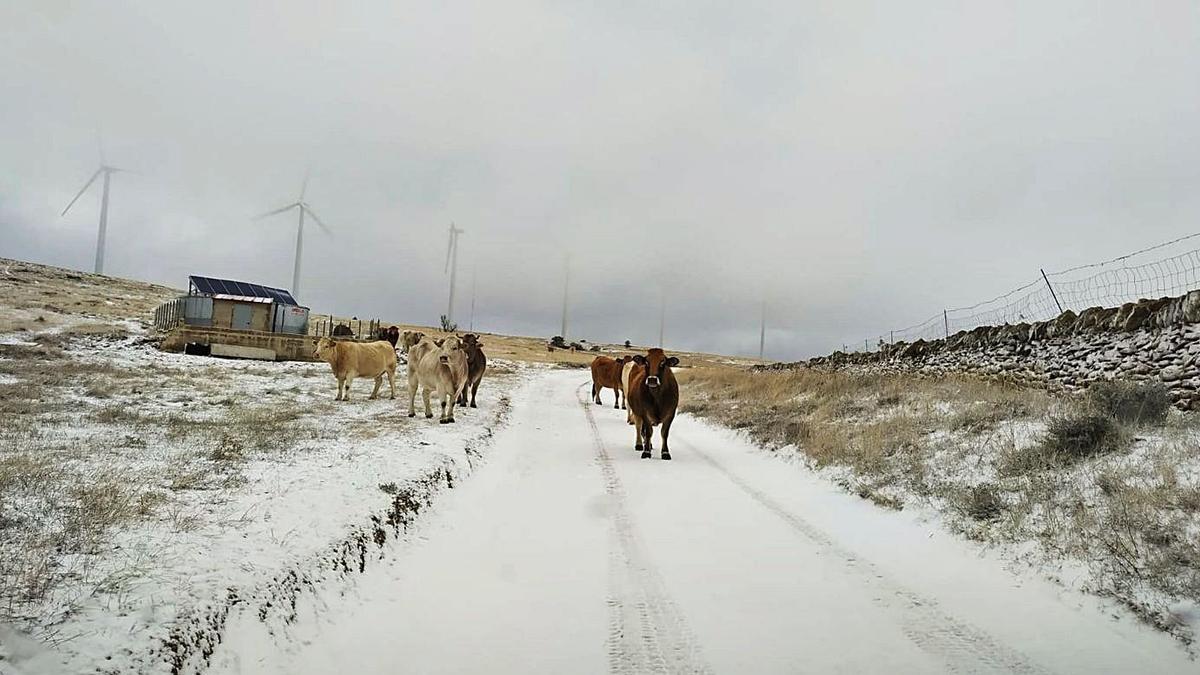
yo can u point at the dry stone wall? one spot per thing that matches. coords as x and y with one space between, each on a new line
1148 340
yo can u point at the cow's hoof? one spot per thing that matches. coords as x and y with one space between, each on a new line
473 404
428 416
645 454
444 421
638 447
666 455
412 414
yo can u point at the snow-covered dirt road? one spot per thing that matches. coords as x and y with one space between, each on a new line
569 553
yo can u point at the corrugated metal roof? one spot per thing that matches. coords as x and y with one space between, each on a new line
240 289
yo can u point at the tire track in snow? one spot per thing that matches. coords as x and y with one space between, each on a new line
647 631
962 647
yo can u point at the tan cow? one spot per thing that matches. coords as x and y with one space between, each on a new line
439 368
358 359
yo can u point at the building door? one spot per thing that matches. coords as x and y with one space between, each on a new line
241 317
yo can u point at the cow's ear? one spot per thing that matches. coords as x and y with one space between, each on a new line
640 360
672 362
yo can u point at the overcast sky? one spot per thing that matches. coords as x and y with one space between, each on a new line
858 165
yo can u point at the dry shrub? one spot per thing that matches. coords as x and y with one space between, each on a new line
1075 437
980 502
1068 439
1135 403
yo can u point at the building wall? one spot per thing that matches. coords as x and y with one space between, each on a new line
286 347
260 314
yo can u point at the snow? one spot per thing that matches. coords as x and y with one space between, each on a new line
568 553
288 516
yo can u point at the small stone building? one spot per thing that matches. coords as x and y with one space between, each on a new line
235 318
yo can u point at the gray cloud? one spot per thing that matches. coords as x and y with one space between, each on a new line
859 166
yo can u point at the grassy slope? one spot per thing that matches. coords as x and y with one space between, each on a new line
1086 485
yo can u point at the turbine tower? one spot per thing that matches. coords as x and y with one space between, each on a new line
762 331
452 267
107 171
302 208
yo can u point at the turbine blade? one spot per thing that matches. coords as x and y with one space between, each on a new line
449 247
318 220
281 209
304 185
82 190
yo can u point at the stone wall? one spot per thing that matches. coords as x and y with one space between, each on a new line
287 347
1148 340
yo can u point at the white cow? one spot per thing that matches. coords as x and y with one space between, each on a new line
438 368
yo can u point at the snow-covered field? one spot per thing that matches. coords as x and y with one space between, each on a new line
145 497
568 553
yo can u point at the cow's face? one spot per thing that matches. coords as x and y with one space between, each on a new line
657 364
322 347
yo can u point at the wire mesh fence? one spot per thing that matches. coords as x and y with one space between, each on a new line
1153 272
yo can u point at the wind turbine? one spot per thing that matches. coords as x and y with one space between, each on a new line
452 266
302 208
762 331
107 171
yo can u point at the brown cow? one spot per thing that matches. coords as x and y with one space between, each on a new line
476 365
391 335
606 374
626 374
410 338
653 396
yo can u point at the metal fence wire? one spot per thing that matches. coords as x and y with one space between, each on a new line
1110 283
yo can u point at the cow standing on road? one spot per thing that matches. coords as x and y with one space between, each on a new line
626 374
438 367
606 374
476 365
653 396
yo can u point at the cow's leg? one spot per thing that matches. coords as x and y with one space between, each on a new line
666 430
617 400
451 399
474 391
595 392
378 383
648 435
412 394
624 398
637 431
340 382
349 381
391 373
425 395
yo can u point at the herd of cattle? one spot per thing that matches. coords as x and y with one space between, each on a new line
451 368
448 368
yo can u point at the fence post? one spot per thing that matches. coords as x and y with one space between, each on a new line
865 347
1052 293
891 337
946 322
